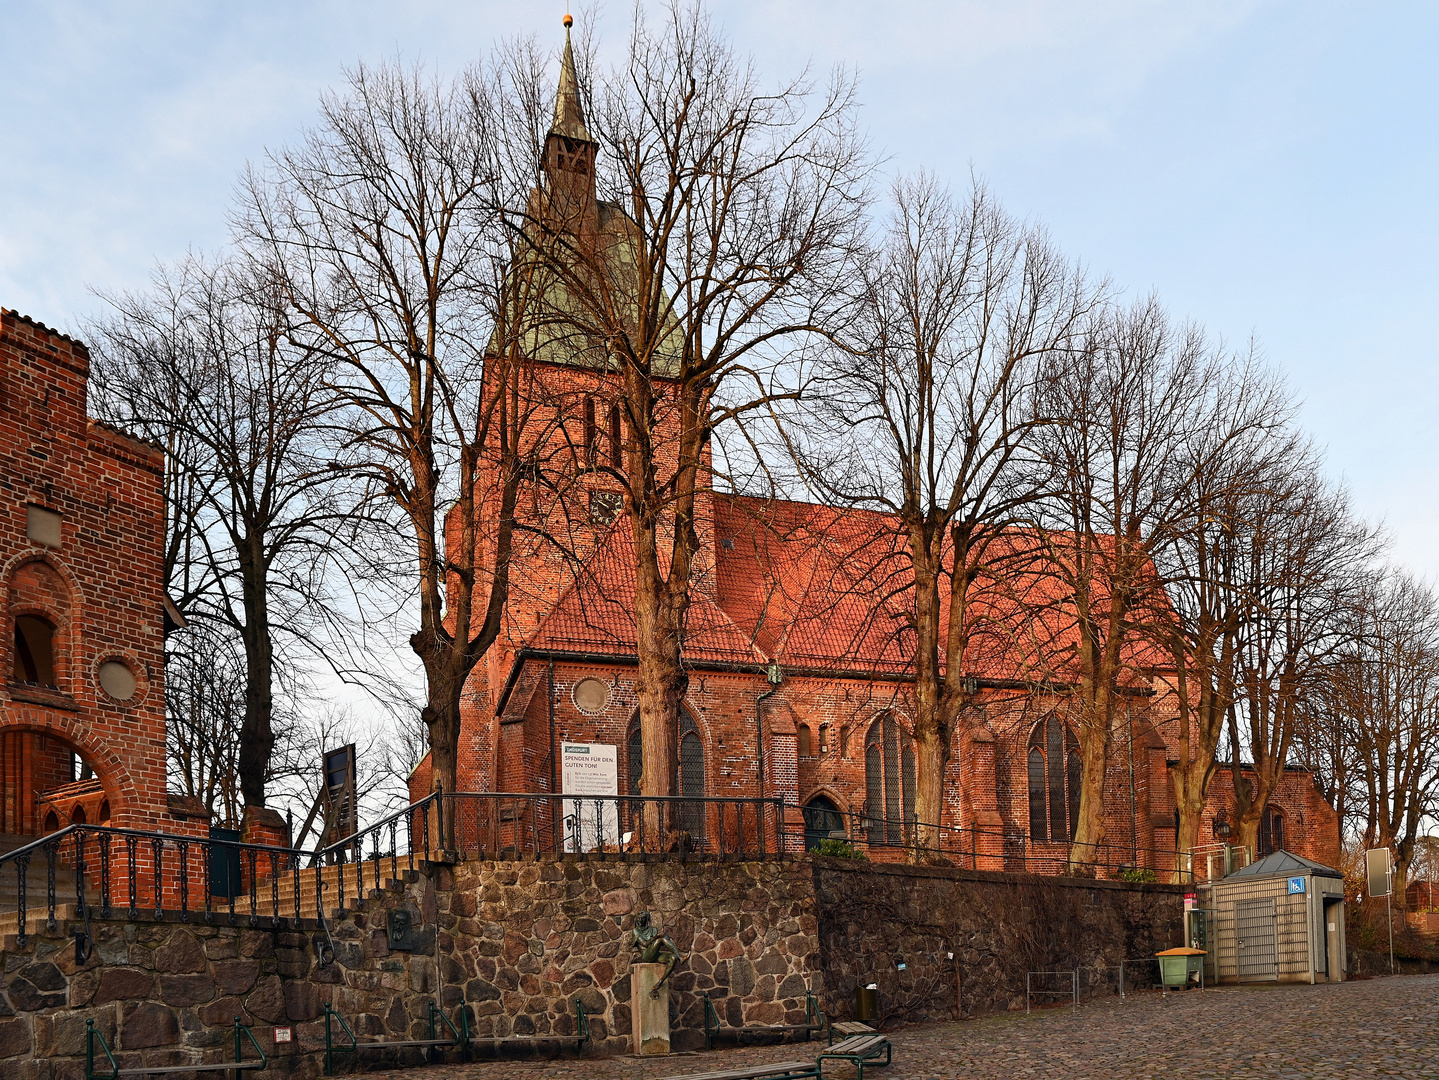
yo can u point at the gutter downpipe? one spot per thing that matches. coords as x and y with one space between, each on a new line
1133 818
775 677
553 781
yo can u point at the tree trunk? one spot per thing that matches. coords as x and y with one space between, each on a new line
660 685
441 715
257 735
932 749
1189 798
1089 832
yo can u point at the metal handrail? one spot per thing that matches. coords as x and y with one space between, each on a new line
353 846
154 845
962 842
238 1065
534 823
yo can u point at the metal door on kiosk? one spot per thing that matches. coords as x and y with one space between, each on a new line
1256 953
1333 924
1201 924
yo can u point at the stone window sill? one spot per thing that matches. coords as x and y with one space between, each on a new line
42 695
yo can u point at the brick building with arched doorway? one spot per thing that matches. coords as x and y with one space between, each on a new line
82 716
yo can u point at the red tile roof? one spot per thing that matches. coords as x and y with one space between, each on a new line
817 588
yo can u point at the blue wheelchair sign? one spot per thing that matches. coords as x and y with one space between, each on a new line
1296 885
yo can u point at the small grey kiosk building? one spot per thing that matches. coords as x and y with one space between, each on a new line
1280 919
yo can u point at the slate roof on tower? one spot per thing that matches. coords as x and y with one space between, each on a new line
545 318
569 113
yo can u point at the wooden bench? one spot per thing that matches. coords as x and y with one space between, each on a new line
782 1070
713 1029
857 1050
846 1028
91 1035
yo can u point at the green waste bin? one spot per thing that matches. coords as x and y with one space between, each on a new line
866 1003
1179 968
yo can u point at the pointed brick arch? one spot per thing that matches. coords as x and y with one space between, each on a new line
23 763
38 583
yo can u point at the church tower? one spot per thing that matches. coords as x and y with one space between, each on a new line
569 162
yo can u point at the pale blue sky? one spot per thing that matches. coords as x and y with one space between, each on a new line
1268 168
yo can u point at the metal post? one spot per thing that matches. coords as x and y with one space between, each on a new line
1389 903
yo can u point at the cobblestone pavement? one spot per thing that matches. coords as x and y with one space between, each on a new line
1378 1027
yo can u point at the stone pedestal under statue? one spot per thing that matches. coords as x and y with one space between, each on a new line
651 1009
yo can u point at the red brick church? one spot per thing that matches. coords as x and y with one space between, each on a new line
82 539
798 687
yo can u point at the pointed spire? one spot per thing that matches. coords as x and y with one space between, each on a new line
569 116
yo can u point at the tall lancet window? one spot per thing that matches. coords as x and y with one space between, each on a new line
1054 772
689 784
616 434
889 776
592 435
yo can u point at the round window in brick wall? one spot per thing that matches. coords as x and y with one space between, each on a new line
117 680
591 696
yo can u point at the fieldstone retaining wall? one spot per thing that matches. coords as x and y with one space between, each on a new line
996 927
524 940
520 942
168 993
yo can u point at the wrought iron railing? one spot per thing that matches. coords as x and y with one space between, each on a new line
411 830
160 875
1010 848
678 826
513 824
156 873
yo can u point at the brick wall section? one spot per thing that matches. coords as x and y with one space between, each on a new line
101 588
988 786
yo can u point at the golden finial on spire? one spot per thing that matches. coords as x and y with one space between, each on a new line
569 20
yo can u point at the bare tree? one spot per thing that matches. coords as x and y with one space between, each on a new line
1306 553
201 364
1383 714
386 227
715 237
204 711
1230 490
1120 458
963 306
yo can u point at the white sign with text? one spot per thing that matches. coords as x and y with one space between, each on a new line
590 770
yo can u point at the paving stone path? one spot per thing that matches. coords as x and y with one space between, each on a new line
1368 1028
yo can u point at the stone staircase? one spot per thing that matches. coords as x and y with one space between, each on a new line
36 886
357 888
270 896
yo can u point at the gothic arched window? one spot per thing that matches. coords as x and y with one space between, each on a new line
635 759
889 777
1271 831
616 440
691 779
1054 777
